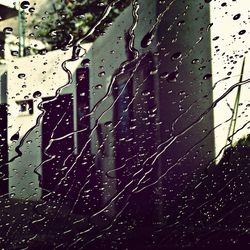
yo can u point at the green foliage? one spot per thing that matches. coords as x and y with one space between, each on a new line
245 141
74 18
234 118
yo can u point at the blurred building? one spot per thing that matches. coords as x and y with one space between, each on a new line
134 115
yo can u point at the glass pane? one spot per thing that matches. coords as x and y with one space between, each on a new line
124 124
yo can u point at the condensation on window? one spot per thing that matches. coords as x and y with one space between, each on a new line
124 124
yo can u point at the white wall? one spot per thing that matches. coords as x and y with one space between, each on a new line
44 74
228 52
106 55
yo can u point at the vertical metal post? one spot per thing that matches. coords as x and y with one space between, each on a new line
21 30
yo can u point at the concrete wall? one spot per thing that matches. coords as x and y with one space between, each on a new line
108 56
179 101
43 74
185 95
179 39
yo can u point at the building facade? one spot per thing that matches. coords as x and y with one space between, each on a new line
132 117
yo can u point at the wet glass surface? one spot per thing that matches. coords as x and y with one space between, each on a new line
124 124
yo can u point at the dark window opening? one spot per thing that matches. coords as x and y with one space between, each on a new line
25 107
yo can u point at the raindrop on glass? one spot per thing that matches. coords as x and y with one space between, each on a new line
173 76
236 17
108 124
98 86
24 4
147 39
37 94
176 56
14 53
180 23
21 75
164 75
15 137
85 62
195 61
43 52
242 32
153 71
32 9
207 76
101 74
145 93
7 30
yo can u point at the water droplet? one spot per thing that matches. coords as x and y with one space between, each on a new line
132 127
15 137
176 56
153 71
236 17
108 124
182 93
37 94
195 61
32 9
98 86
164 75
202 67
216 38
101 74
53 33
152 110
173 76
199 40
207 1
209 26
21 75
24 4
145 93
14 53
85 62
43 51
207 76
242 32
147 39
7 30
180 23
